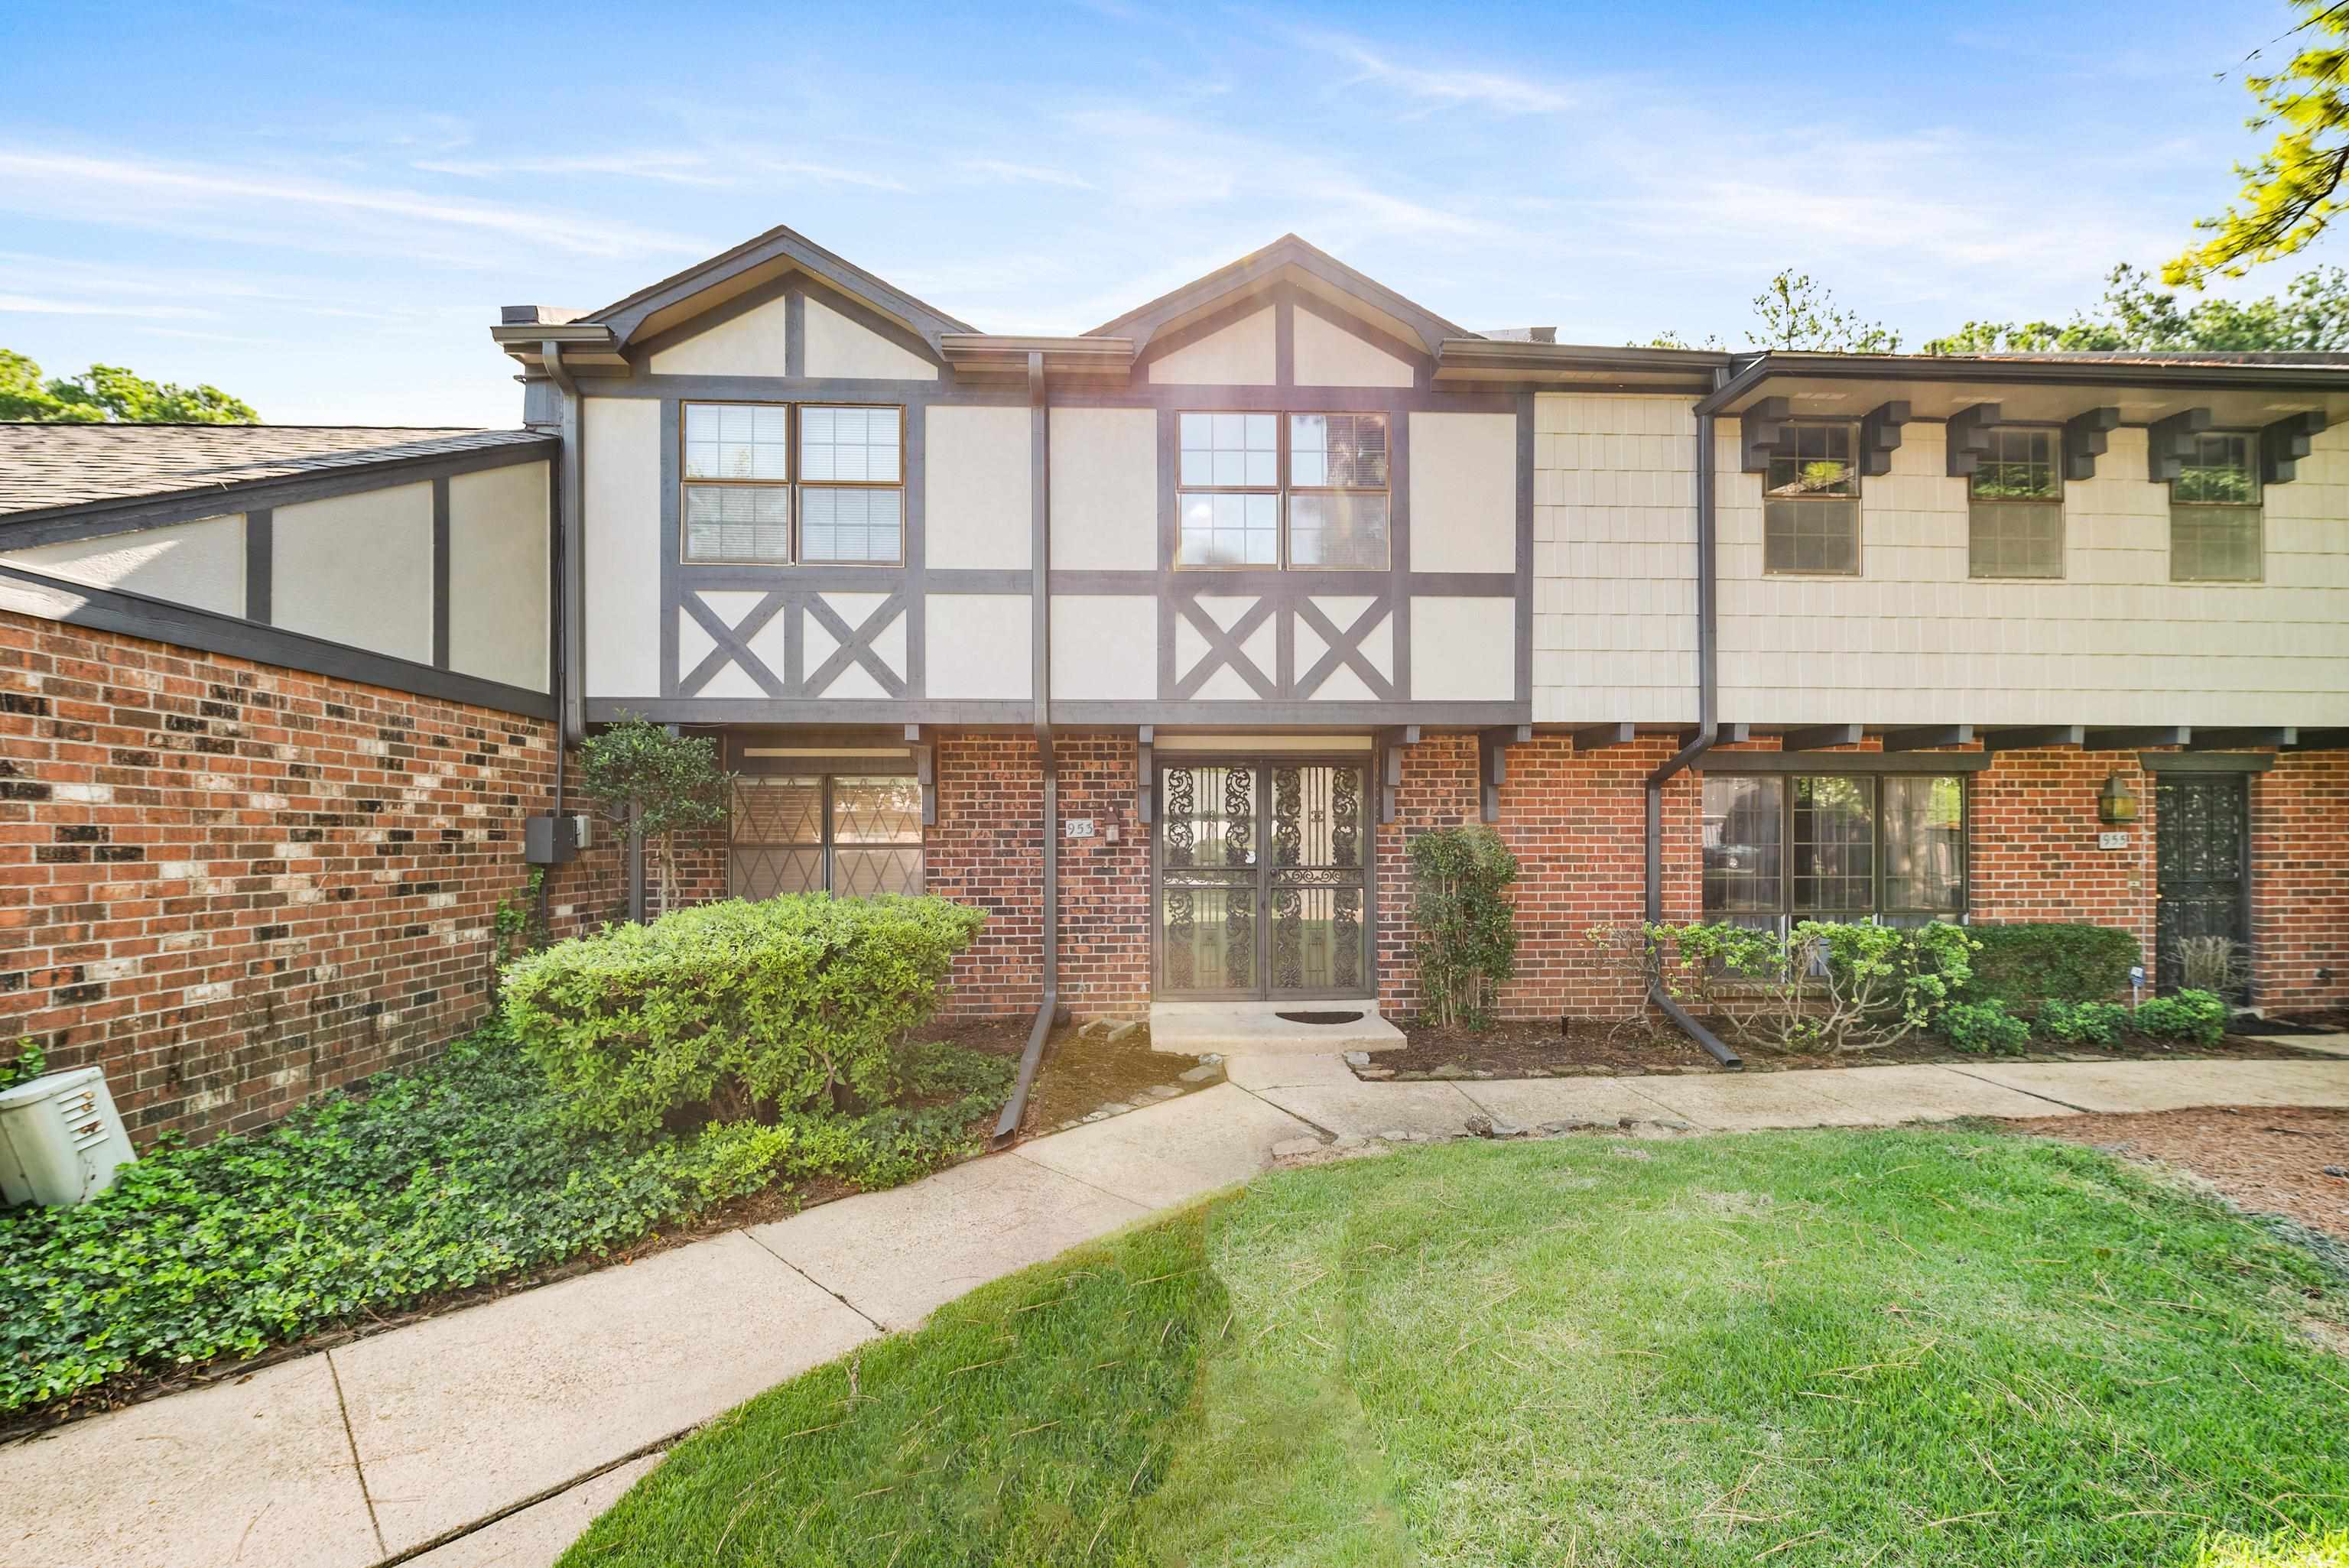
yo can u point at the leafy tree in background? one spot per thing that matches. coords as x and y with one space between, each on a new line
111 395
656 785
2313 312
1794 312
2294 190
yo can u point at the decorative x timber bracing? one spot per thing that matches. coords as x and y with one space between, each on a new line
1246 645
790 643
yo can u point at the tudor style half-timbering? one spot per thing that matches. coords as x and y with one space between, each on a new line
1284 565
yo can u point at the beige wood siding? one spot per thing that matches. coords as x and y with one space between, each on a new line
1614 559
1915 639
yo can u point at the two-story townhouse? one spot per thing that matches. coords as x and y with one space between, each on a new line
1172 632
1159 642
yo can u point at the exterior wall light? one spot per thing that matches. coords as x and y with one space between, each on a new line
2117 803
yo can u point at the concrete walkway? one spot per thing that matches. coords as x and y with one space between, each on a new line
495 1434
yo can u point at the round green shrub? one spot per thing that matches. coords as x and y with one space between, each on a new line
1985 1028
790 1005
2084 1023
2200 1016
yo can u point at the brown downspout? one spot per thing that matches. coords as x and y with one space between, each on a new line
1708 731
568 503
1040 644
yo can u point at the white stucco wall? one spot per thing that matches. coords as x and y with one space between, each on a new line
1325 355
1462 650
979 646
357 569
199 563
837 346
1464 492
751 343
976 506
1104 488
1917 640
1240 354
1105 648
620 545
1614 633
498 583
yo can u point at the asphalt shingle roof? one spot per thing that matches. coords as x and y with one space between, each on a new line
45 467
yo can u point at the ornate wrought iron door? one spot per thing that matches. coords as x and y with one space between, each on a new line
2202 857
1235 920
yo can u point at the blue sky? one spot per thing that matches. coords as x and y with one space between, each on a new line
320 204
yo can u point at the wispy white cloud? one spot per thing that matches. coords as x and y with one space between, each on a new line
53 183
670 168
34 304
824 173
1443 86
1026 173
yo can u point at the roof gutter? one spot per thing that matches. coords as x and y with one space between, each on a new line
2020 373
1039 643
1708 731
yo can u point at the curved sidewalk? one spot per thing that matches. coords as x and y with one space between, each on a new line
495 1434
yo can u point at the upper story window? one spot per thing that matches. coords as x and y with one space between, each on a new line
1306 491
1833 846
1810 508
2215 522
2014 502
746 464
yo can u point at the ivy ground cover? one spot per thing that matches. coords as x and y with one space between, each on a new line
1826 1347
422 1184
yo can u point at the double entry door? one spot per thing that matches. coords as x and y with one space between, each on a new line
1261 880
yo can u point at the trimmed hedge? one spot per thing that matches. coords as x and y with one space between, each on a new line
790 1005
2025 964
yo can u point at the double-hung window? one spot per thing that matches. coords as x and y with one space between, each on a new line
1780 848
2215 522
850 835
781 483
1810 507
2014 502
1305 490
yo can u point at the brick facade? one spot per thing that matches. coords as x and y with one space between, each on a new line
234 886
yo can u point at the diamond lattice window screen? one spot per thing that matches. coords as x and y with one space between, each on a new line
855 837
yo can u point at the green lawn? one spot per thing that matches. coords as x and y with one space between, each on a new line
1918 1347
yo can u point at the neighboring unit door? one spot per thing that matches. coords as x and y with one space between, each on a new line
1262 889
2202 857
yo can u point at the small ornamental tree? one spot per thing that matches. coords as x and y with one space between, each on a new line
1465 928
654 785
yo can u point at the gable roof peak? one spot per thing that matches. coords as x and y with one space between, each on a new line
1291 249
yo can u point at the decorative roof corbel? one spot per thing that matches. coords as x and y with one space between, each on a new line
2170 442
1762 433
1879 436
1969 438
2085 437
2284 443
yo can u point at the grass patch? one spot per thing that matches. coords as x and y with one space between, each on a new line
1908 1346
423 1184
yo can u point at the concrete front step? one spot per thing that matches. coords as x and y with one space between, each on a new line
1256 1028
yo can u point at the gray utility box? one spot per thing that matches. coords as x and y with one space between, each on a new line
549 840
60 1139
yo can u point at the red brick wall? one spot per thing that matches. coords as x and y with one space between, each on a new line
1104 886
2300 882
235 886
986 850
2032 843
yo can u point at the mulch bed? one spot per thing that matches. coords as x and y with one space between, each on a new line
2269 1160
1586 1047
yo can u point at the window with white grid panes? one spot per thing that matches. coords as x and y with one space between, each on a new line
2014 500
1810 503
2215 514
1299 490
777 484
